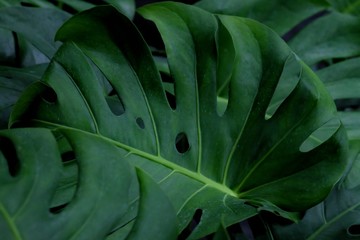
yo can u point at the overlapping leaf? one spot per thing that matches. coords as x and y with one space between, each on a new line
13 82
44 24
106 84
32 169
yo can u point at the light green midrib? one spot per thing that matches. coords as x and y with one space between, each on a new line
157 159
10 222
329 223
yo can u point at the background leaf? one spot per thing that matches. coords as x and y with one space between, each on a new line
13 82
280 15
44 24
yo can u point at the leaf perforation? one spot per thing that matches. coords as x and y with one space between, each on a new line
197 97
157 140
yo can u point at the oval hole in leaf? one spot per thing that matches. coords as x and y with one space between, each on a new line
140 122
192 225
289 78
8 151
354 230
320 135
181 143
49 95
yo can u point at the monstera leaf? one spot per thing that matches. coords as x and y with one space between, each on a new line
267 149
32 165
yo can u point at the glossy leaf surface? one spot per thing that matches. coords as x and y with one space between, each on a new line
107 85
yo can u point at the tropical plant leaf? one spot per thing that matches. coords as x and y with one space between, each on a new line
203 161
40 3
31 168
8 3
332 36
342 79
7 47
280 15
13 82
126 7
43 22
351 121
78 5
338 216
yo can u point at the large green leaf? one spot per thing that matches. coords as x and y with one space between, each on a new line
218 164
338 216
32 169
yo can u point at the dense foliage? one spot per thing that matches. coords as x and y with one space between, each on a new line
170 120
